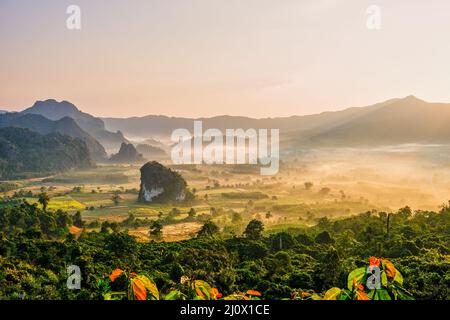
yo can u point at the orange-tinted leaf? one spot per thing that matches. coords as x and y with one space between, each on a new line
374 262
305 294
75 230
203 289
150 286
215 294
139 290
355 277
361 296
390 269
254 293
115 274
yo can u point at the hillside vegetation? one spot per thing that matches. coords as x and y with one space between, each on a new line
25 152
36 246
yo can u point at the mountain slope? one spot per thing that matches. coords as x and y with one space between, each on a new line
127 154
162 126
396 121
55 110
23 151
42 125
408 120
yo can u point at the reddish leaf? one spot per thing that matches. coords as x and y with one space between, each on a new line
374 262
254 293
115 274
139 290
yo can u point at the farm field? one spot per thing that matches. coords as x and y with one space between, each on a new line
301 194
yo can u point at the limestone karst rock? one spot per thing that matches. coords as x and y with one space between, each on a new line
160 184
127 154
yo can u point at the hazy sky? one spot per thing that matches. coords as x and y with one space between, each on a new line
208 57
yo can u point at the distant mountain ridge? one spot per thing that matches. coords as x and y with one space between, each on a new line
55 110
42 125
394 121
163 126
408 120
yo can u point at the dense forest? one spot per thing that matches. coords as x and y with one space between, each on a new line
37 245
24 152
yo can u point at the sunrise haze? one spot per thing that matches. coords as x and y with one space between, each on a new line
196 58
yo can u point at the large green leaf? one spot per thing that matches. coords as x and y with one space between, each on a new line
384 280
332 294
401 293
398 278
174 295
357 274
382 294
315 296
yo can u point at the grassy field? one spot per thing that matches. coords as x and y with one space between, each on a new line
232 196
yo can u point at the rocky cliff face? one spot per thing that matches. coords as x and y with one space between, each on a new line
160 184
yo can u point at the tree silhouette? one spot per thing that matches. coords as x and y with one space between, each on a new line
192 213
156 230
44 199
208 230
254 230
77 220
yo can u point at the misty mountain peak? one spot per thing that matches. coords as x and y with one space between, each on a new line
54 110
412 99
51 105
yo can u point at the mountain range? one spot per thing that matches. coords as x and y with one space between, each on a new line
44 126
54 110
396 121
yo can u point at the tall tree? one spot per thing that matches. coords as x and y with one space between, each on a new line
208 230
254 230
44 199
156 230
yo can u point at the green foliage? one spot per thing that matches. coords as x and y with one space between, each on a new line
22 151
156 230
43 199
209 230
36 247
254 230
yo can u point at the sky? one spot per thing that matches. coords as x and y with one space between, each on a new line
257 58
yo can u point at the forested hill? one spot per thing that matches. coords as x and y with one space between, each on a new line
65 126
23 151
55 110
